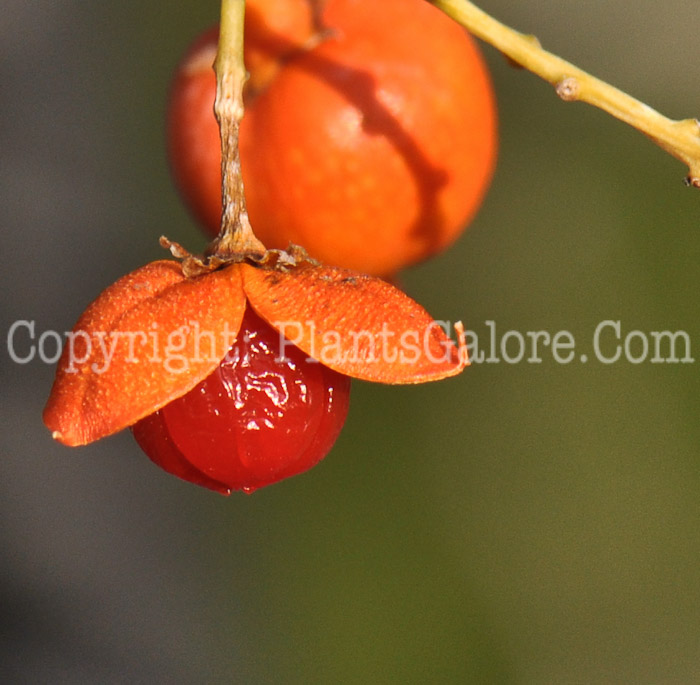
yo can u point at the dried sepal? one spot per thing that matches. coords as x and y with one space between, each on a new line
356 324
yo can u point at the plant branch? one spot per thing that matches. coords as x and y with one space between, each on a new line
680 138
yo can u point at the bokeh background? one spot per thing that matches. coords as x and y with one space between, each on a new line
524 524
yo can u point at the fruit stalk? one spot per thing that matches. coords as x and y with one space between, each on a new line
236 236
680 138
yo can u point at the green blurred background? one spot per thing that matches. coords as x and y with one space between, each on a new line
528 523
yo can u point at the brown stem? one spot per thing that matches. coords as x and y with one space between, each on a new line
236 237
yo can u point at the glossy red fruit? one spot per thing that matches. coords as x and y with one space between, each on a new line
372 147
266 413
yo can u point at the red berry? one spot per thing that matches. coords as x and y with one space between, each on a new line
265 414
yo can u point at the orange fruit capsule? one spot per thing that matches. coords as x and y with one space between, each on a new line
370 140
157 336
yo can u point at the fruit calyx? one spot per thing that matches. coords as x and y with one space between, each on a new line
293 257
